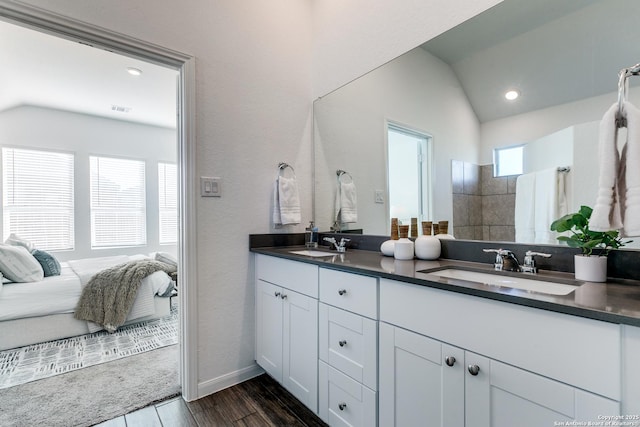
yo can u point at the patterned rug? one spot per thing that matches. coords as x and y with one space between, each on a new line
37 361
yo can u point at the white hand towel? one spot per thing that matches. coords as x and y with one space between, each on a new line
550 203
525 208
346 207
286 202
629 186
606 211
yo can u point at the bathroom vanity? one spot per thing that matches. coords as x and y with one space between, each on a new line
363 339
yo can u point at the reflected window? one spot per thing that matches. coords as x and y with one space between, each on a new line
409 157
508 161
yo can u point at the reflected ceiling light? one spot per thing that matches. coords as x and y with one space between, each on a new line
134 71
512 94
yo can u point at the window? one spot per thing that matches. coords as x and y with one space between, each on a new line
37 200
508 161
118 216
168 203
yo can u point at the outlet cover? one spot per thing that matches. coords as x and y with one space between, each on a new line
379 196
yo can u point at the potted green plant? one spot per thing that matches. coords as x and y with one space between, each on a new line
591 265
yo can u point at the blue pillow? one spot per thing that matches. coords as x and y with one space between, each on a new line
49 263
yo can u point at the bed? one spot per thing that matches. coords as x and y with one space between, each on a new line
43 310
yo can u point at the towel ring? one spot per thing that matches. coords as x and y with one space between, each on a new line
623 89
283 166
340 173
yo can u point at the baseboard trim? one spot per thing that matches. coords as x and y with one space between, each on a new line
227 380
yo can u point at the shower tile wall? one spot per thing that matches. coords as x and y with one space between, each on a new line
483 206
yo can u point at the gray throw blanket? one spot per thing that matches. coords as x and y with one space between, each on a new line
108 296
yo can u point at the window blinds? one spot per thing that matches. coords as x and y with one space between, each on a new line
118 216
37 197
168 202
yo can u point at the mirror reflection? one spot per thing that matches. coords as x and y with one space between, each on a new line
562 58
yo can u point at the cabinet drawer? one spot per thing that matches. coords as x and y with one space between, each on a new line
351 292
582 352
349 343
343 401
294 275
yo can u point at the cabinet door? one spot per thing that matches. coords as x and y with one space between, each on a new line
501 395
300 347
269 328
414 380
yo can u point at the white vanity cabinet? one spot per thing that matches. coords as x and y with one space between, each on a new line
348 349
287 325
426 382
513 365
631 370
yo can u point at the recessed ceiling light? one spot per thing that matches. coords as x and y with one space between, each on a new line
134 71
512 94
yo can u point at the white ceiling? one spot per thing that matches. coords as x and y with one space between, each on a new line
48 71
552 51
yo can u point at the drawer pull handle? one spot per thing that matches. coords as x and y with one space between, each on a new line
342 406
342 291
450 361
342 343
474 369
283 296
277 294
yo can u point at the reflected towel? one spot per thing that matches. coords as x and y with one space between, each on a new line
286 202
550 203
629 177
525 208
346 207
606 211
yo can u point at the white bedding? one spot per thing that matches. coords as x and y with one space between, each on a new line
53 295
59 294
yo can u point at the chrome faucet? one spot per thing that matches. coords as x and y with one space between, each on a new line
340 247
530 263
505 260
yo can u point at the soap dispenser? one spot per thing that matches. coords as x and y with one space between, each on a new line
311 236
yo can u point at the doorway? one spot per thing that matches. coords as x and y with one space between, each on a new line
184 98
409 173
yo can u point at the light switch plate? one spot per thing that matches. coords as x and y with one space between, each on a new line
210 186
379 196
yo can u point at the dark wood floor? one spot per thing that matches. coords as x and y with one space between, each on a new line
258 402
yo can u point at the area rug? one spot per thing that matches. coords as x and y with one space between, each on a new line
37 361
92 395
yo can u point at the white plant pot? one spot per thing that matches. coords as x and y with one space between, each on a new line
591 268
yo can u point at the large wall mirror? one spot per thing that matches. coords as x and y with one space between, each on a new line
562 58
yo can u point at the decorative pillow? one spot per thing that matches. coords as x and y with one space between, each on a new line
167 258
15 240
49 263
18 265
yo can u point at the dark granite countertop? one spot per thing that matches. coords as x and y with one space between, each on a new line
615 301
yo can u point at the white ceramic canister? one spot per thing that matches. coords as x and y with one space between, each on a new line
427 247
403 249
387 247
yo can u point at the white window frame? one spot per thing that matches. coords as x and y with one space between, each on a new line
497 168
167 202
38 200
107 205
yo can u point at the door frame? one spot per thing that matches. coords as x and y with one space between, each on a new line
60 26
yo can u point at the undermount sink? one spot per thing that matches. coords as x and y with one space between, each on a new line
530 284
312 253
